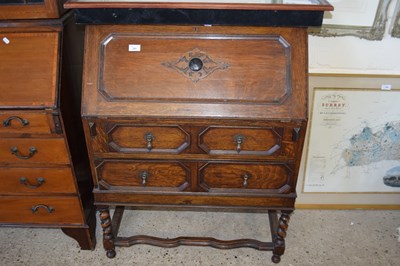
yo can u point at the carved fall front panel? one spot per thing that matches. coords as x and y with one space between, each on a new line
195 68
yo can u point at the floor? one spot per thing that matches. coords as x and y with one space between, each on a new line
315 237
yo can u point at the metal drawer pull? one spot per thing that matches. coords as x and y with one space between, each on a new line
149 137
24 181
7 122
239 141
48 208
144 175
32 151
245 178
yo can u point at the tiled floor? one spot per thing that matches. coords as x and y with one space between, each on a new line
314 238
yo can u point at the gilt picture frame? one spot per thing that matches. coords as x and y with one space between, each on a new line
395 32
365 19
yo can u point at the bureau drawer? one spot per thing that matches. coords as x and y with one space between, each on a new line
20 122
246 177
133 138
143 175
33 150
242 140
28 69
36 180
40 210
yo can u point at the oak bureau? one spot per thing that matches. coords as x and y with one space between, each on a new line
196 105
45 178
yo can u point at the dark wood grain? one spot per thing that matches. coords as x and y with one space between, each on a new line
40 88
193 241
56 180
130 138
47 9
17 210
224 140
252 76
226 107
322 6
27 49
160 175
48 150
273 178
38 122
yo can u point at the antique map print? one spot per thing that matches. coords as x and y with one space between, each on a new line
354 142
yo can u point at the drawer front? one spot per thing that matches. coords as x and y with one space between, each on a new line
241 140
33 150
20 122
246 177
143 175
252 72
41 210
131 138
36 180
28 70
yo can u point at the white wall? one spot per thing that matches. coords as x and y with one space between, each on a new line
352 55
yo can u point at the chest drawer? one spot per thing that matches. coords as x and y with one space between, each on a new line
40 210
29 67
244 177
22 122
36 180
33 150
144 175
136 138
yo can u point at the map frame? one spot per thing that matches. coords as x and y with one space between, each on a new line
342 111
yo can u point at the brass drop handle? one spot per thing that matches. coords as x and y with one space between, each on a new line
7 122
245 178
32 151
49 209
149 137
144 175
239 139
24 181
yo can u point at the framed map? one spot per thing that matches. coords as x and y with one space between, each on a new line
354 142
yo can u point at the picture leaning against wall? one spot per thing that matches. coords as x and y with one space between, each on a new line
354 142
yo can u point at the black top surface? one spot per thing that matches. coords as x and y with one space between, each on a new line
157 16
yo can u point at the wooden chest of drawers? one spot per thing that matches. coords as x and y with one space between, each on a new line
193 117
44 170
31 9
